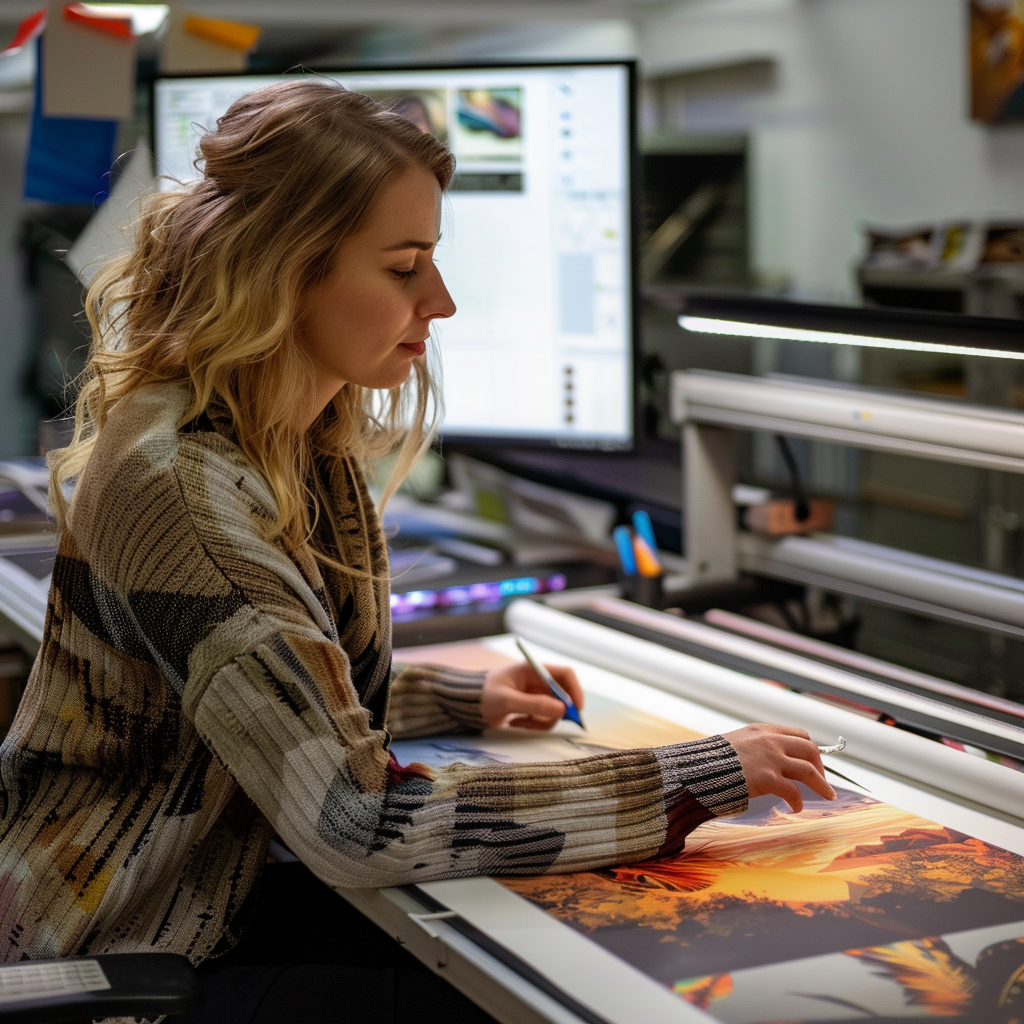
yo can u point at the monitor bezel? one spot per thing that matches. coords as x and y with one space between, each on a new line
465 442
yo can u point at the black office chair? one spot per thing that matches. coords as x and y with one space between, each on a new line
81 989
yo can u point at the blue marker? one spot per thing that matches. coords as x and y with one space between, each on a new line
556 691
624 545
644 528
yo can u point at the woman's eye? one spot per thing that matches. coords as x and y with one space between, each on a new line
404 275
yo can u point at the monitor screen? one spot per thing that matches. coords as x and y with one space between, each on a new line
536 236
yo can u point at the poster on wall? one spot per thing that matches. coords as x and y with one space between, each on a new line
997 60
852 910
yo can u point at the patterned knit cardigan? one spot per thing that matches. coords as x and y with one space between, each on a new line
198 689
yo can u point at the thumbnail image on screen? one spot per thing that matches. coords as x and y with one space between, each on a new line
535 245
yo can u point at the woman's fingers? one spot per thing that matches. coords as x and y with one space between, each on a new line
805 750
562 674
537 705
517 690
540 724
808 767
790 792
810 776
775 758
566 679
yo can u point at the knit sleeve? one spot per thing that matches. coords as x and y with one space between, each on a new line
357 818
189 579
427 700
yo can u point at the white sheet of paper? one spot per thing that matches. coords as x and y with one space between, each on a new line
86 73
108 233
182 53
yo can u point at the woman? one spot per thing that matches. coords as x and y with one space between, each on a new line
216 666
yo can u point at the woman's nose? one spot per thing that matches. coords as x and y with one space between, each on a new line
437 304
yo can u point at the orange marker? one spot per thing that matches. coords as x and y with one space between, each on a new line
646 560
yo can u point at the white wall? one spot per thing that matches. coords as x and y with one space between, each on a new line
532 40
866 123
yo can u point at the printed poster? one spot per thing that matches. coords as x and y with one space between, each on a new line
853 910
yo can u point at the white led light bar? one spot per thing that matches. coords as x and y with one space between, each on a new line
740 329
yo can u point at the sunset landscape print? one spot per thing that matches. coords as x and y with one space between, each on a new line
873 884
852 910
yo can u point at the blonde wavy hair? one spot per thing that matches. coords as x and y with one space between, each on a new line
212 290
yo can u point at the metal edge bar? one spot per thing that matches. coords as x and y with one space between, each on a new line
476 973
839 435
859 393
855 661
777 570
803 668
818 553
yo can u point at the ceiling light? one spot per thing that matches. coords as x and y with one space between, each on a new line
741 329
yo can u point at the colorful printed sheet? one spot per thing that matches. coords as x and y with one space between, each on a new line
852 910
849 911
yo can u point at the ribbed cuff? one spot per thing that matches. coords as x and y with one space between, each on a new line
702 780
710 770
459 694
455 694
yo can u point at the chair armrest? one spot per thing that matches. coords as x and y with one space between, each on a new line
85 988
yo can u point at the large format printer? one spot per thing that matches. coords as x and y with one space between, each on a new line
946 753
949 753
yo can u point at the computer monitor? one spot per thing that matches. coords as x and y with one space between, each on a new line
536 242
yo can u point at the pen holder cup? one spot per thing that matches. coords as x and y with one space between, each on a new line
646 590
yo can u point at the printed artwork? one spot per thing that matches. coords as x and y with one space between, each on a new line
997 60
852 910
773 916
488 124
426 108
974 976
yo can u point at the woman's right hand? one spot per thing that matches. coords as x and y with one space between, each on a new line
775 757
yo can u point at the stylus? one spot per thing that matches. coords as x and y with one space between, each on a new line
570 709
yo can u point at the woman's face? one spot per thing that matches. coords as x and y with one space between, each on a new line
368 319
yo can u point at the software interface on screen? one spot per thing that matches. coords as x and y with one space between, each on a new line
535 236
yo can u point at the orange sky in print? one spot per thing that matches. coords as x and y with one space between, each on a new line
773 886
852 890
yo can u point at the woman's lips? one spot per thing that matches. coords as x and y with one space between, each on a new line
418 347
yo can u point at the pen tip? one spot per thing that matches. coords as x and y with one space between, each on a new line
574 716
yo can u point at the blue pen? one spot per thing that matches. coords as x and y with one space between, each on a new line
624 545
570 709
643 526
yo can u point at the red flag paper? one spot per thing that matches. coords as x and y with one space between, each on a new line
84 14
28 30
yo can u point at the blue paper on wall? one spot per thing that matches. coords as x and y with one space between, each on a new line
69 158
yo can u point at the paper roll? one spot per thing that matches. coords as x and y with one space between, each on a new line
853 685
878 746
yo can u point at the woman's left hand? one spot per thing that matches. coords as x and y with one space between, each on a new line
516 695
